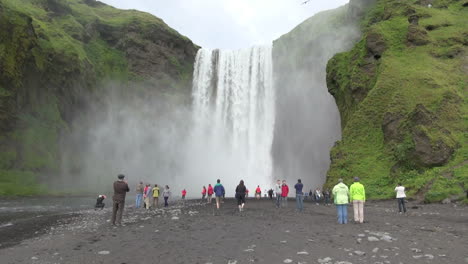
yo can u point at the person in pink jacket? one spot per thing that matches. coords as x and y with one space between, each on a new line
284 194
210 193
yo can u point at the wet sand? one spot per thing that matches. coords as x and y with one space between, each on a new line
195 233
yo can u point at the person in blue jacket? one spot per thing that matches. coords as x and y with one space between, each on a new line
219 192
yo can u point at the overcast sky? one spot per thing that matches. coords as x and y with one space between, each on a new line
230 24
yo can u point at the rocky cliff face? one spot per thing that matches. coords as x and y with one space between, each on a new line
54 57
401 92
307 121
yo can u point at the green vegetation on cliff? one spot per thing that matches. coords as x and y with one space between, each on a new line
54 57
401 92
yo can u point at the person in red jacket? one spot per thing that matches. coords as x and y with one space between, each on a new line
203 193
284 194
184 192
258 192
210 193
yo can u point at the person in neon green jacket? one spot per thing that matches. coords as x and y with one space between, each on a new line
358 198
341 199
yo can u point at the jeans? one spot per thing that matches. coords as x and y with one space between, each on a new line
165 202
358 206
299 202
284 201
401 203
139 197
342 210
278 200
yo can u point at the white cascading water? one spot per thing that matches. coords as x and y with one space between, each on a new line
234 115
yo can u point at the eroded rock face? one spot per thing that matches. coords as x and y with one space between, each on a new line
391 126
421 116
432 146
429 152
417 139
417 35
375 44
153 52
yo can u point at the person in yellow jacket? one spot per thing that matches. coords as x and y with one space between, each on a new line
341 199
357 195
156 196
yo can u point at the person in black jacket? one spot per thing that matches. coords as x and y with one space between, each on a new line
99 202
120 191
270 194
240 195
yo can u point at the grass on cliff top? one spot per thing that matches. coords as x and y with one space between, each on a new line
407 76
62 26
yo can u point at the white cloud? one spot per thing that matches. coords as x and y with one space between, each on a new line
230 24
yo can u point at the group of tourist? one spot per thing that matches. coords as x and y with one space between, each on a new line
218 190
318 196
356 195
150 196
342 196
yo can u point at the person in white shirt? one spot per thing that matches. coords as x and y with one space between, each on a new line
278 193
400 195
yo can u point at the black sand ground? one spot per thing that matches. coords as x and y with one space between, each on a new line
191 233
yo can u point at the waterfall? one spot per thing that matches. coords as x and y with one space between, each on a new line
233 114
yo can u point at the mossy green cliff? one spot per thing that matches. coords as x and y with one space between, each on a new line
401 91
54 57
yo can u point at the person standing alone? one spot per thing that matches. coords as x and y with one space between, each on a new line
400 195
139 195
240 195
219 191
166 195
258 192
299 198
341 196
120 191
358 198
